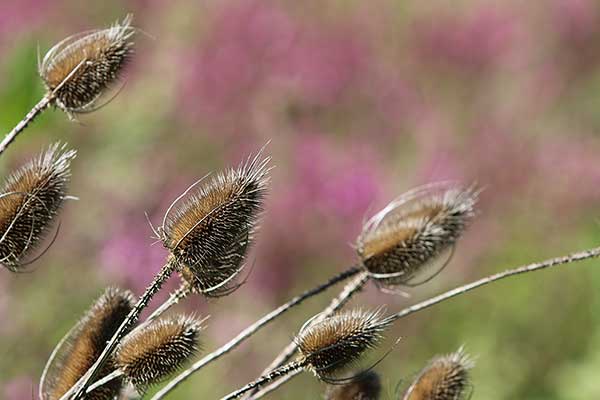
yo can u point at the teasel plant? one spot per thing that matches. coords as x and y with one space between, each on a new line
78 71
364 386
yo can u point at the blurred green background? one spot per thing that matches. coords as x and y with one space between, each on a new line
360 101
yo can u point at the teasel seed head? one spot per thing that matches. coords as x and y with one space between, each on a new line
80 348
335 343
30 201
366 386
416 231
78 70
209 234
444 378
148 355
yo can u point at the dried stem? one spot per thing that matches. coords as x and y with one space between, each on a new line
79 389
31 115
252 329
573 257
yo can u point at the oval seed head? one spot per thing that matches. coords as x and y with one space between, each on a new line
148 355
419 229
208 236
31 199
335 343
366 386
79 69
76 353
444 378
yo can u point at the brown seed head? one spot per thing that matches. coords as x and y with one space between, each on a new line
148 355
335 343
444 378
81 67
209 235
76 353
31 199
415 231
366 386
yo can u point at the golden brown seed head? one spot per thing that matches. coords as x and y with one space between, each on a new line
31 199
81 67
444 378
209 234
148 355
335 343
82 346
366 386
415 231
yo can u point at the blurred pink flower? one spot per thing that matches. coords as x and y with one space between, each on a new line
21 388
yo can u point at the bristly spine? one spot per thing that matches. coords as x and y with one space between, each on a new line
335 343
79 69
210 233
83 344
415 231
30 201
444 378
148 355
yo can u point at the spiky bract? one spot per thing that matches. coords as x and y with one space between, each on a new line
79 69
365 386
416 230
333 344
444 378
149 354
31 199
83 344
210 233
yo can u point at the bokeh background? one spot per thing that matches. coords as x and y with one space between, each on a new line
360 101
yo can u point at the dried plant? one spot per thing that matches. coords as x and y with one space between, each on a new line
365 386
30 201
444 378
148 355
83 344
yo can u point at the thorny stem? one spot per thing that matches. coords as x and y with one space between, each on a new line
181 293
279 372
31 115
252 329
573 257
80 387
353 287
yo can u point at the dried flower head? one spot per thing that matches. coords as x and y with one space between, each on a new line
366 386
79 69
31 199
444 378
331 345
208 236
149 354
414 232
80 348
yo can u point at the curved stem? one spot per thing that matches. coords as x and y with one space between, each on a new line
31 115
573 257
108 378
252 329
80 387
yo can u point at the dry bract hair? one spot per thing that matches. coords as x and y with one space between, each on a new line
335 343
31 199
80 348
209 234
444 378
414 232
149 354
366 386
78 70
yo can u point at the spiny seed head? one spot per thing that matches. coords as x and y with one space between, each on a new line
31 199
366 386
149 354
331 345
444 378
209 234
76 353
414 231
80 68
